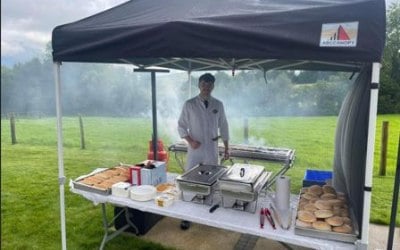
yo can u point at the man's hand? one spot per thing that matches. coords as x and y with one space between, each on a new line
226 154
194 144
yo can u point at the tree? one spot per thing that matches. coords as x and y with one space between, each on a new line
389 93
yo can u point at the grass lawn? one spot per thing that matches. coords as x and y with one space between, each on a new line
29 171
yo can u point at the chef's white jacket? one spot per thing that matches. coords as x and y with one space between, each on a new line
202 124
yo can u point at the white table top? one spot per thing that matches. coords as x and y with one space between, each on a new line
225 218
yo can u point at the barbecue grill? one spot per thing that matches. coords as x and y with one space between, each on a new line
247 152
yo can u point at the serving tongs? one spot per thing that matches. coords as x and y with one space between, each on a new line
278 218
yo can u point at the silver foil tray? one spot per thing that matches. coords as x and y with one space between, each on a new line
351 237
92 189
82 186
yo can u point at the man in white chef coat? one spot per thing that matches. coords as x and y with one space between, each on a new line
201 119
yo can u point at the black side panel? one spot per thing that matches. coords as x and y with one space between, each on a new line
351 142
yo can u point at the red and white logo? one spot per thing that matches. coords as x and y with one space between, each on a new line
339 34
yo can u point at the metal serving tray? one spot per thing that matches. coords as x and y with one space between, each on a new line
202 174
351 237
91 189
198 184
344 237
241 177
243 195
82 186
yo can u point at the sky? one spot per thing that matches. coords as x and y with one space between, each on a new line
26 26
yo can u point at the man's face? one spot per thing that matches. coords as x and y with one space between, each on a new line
206 88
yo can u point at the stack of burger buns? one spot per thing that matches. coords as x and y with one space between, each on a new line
324 209
105 179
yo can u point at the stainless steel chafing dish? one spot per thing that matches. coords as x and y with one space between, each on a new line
199 183
241 184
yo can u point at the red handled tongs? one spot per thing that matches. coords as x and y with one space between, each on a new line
262 218
269 217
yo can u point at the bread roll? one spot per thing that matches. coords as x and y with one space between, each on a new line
88 182
92 180
336 202
303 224
310 207
343 229
118 178
315 189
344 212
327 189
321 225
328 196
309 196
337 211
122 171
335 221
103 175
323 213
342 196
306 216
164 187
347 220
104 184
322 204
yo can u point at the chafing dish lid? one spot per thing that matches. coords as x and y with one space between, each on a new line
245 173
203 174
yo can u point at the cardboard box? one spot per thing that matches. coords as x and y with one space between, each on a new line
152 172
135 177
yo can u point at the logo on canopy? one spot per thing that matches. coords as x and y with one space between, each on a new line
339 34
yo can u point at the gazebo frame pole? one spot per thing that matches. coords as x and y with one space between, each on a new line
154 105
373 107
61 177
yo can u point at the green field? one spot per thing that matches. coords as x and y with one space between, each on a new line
29 171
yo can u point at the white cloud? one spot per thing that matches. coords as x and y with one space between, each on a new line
8 49
26 26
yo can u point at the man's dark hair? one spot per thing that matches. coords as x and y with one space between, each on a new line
207 77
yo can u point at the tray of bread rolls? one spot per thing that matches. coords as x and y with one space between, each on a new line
324 213
101 181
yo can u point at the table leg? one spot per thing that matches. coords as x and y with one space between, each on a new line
107 225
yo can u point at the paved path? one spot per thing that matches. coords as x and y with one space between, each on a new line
201 237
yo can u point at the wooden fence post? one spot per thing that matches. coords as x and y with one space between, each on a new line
385 133
12 126
82 133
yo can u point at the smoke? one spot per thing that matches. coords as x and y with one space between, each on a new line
116 91
171 94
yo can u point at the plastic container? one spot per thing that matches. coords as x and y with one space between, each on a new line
162 155
316 177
